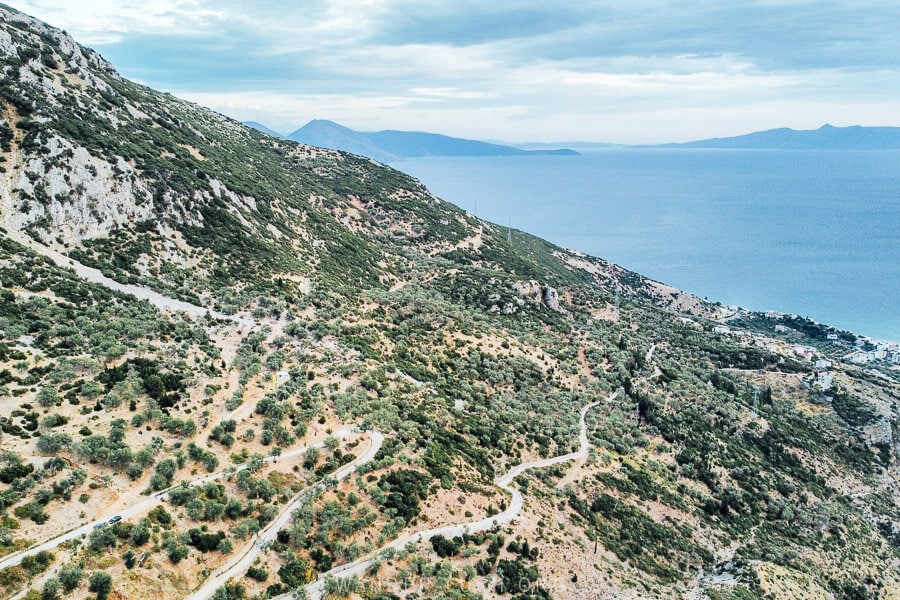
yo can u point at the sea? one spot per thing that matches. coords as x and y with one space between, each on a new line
810 232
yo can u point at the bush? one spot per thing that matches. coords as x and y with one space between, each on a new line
51 443
51 589
230 591
444 547
70 575
37 563
47 397
101 583
294 574
407 488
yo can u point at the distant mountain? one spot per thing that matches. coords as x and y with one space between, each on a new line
826 137
328 134
263 128
388 146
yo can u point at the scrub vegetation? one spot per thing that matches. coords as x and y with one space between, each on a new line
334 296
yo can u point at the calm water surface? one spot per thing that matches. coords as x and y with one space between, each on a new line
816 233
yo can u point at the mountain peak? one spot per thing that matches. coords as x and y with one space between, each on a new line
262 128
391 145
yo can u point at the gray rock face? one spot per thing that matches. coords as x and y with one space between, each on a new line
551 298
538 294
880 432
530 290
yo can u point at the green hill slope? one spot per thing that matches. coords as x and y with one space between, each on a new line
327 294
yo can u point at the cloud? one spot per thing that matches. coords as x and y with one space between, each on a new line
106 22
508 68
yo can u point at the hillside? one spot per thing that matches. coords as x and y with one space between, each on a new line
236 366
826 137
389 146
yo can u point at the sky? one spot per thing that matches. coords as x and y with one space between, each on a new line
623 71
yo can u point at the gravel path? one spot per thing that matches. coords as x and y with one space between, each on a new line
159 497
141 293
242 560
316 590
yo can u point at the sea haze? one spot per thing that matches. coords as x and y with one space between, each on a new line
812 232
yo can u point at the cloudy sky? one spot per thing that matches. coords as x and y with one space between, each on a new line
630 71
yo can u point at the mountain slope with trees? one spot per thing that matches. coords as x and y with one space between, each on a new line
342 294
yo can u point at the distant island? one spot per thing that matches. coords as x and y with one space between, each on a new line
826 137
390 146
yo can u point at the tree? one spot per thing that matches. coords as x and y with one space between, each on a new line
444 547
101 538
230 591
111 400
51 589
91 389
69 576
175 549
47 396
140 533
255 463
233 508
159 515
195 509
165 469
101 583
310 458
213 510
295 573
51 443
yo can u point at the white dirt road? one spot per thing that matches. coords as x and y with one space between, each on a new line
316 590
146 505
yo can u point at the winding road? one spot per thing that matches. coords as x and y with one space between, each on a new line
316 589
141 293
243 559
146 505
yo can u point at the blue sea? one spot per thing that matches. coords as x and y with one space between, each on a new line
811 232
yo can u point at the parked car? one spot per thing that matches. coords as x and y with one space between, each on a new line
115 519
